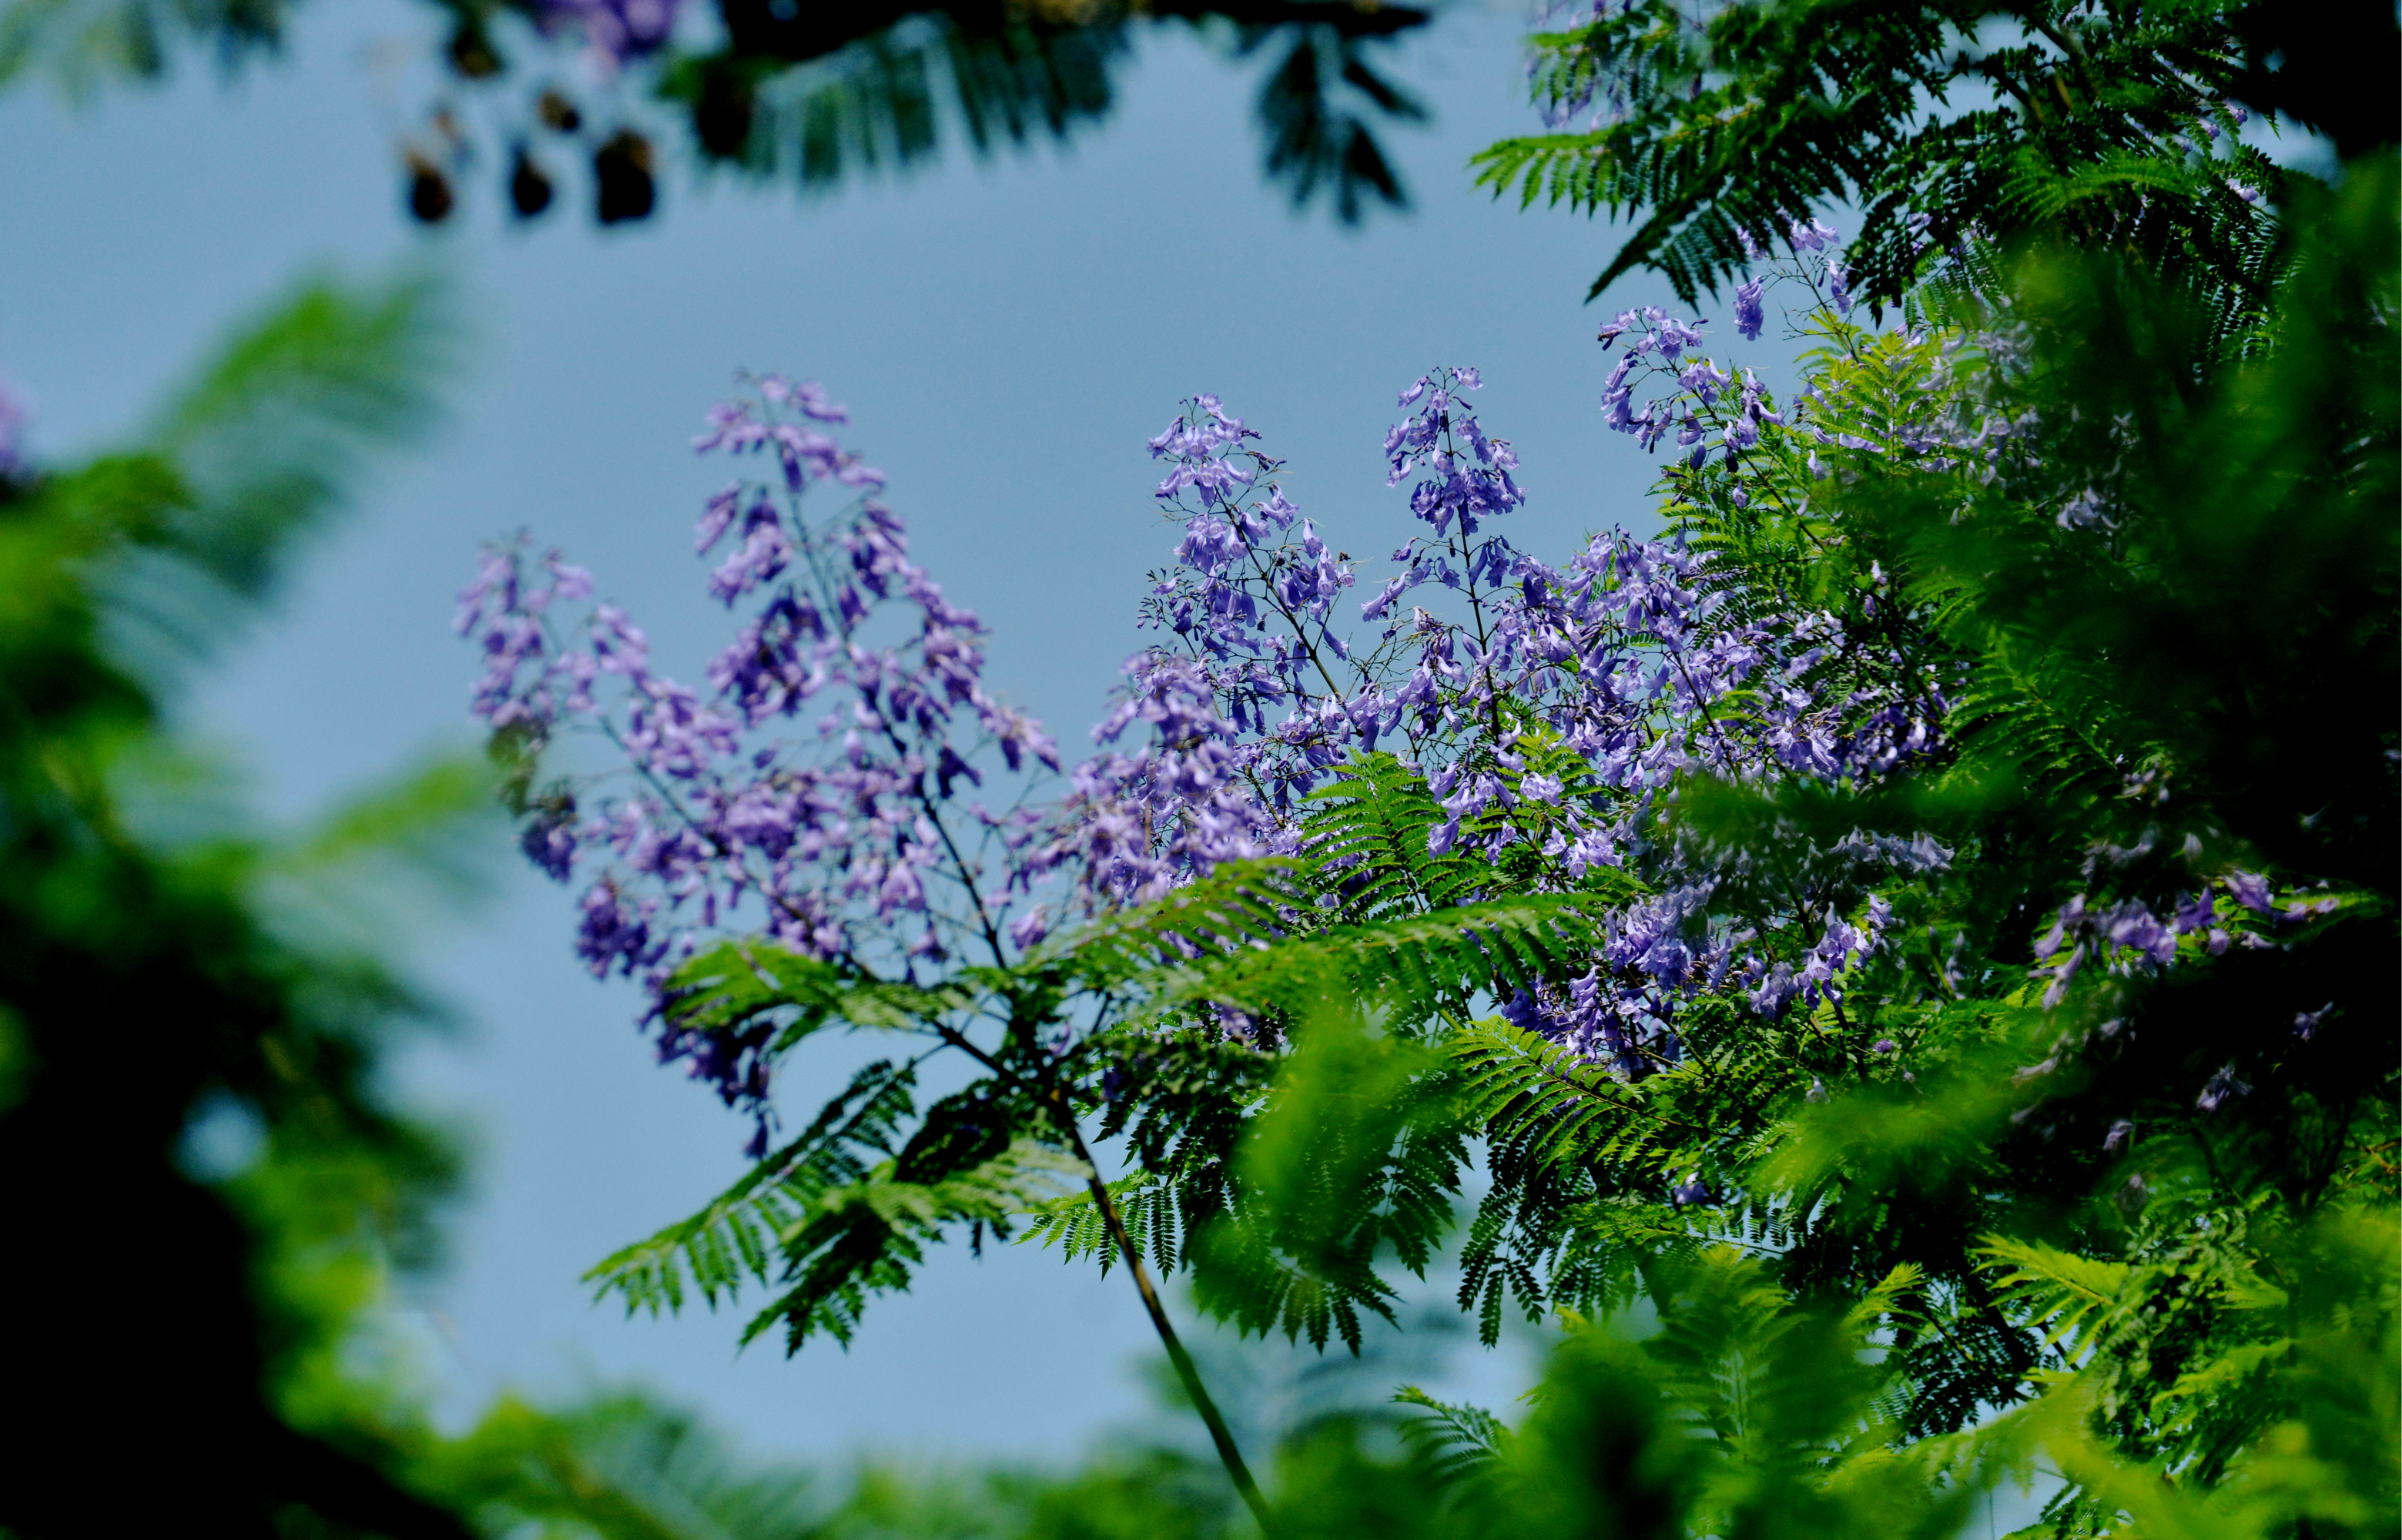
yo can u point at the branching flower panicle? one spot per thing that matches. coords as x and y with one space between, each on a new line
827 791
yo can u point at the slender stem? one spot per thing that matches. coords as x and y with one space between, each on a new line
1228 1454
1720 733
1300 631
959 866
1476 609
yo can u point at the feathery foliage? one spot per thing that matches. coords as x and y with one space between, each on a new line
1947 125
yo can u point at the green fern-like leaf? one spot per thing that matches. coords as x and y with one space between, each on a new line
735 1238
1459 1442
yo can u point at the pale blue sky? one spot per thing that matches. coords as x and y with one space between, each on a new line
1007 336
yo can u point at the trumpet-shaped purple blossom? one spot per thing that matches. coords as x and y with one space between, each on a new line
1747 316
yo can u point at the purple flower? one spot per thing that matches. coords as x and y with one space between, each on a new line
550 842
1747 317
2223 1087
809 398
2251 891
716 518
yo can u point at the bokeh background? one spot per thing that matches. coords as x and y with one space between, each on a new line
1006 333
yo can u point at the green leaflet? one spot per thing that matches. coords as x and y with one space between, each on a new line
1146 1206
1410 969
862 1240
1353 1153
736 1238
2063 1292
736 982
1459 1442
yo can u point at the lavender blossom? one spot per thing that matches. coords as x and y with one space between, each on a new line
1747 317
2223 1088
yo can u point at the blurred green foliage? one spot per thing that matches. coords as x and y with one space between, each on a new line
194 1125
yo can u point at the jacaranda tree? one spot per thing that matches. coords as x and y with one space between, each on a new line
1921 924
1951 868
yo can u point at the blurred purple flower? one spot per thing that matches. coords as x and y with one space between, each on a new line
619 31
15 416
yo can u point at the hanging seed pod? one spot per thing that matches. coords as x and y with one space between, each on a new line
429 190
622 169
471 54
557 113
529 190
723 113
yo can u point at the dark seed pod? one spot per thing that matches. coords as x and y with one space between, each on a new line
429 190
722 115
471 54
529 190
557 113
622 168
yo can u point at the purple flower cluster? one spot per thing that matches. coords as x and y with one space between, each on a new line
812 794
1468 473
1660 954
1815 259
2127 939
1630 655
1707 400
1251 597
1556 712
1137 826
